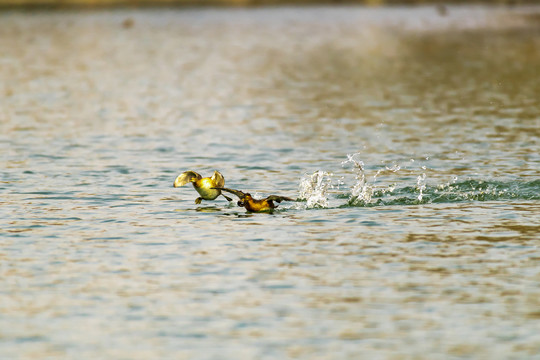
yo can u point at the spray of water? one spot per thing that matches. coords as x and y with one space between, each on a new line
361 192
421 186
367 191
314 189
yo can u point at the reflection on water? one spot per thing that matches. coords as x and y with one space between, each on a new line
422 243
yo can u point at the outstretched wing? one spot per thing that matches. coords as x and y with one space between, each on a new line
238 193
279 198
186 177
218 179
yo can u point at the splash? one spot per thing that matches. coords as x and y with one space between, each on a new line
481 190
392 185
421 186
314 189
372 193
361 192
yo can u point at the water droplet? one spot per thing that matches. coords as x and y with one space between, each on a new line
314 188
421 185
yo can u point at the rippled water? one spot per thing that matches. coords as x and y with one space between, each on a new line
410 138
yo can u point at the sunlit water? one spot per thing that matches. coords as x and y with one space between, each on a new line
410 138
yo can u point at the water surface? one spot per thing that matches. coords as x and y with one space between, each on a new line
422 243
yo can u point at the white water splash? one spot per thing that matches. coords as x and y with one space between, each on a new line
361 192
314 189
365 191
421 185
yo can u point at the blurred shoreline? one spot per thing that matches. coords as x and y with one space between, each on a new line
60 4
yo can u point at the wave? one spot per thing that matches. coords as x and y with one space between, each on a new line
316 189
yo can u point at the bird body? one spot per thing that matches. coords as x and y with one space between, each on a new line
207 187
254 205
204 188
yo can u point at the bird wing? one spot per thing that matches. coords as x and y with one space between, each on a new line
186 177
279 198
238 193
218 179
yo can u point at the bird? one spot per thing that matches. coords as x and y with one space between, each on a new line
254 205
207 187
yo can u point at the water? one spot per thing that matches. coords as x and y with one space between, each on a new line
410 138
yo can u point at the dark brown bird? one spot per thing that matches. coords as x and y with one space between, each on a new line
254 205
